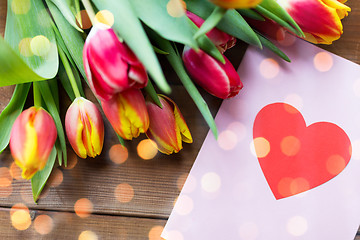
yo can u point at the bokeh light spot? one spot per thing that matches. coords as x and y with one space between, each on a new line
269 68
83 207
184 205
56 178
227 140
118 154
85 20
155 232
40 46
24 47
71 160
176 8
88 235
323 61
104 17
335 164
210 182
17 207
147 149
248 231
239 129
15 171
20 219
260 147
297 226
43 224
20 6
124 193
5 177
288 40
284 186
290 145
299 185
293 100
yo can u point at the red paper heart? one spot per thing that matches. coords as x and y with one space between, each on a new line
294 157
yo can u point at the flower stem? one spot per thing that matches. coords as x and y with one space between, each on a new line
37 95
89 9
69 72
211 21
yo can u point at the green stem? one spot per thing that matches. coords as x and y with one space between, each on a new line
89 9
69 72
211 21
37 95
152 93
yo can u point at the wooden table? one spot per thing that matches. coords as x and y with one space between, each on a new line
116 198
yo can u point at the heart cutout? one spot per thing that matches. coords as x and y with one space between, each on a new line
294 157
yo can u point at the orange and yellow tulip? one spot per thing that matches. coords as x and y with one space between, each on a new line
320 20
84 128
32 139
127 113
167 126
236 3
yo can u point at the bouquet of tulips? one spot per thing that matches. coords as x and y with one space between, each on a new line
48 43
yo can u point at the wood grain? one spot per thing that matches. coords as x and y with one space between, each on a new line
70 226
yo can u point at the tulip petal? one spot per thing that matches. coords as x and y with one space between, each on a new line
341 9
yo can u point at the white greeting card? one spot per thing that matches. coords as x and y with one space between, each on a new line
286 164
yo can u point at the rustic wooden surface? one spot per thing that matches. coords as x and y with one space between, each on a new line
129 200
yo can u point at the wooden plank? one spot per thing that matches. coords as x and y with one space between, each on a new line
154 182
38 225
3 6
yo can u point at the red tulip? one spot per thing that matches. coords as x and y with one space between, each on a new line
110 65
32 139
84 128
127 113
222 40
319 19
220 80
236 3
167 126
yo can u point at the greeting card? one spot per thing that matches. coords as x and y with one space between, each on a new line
286 164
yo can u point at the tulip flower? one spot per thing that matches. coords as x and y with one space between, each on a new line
127 113
84 128
222 41
110 65
32 139
236 3
319 19
220 80
167 126
269 28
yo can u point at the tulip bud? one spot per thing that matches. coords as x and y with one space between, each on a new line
236 3
220 80
110 65
84 128
32 139
127 113
319 19
167 126
222 41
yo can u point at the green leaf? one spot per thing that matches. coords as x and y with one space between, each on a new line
29 34
51 106
251 14
152 93
55 92
38 181
211 21
65 8
72 38
130 29
232 23
175 28
176 62
268 44
11 112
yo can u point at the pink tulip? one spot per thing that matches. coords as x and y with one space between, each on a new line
167 126
222 40
127 113
32 139
220 80
110 65
84 128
